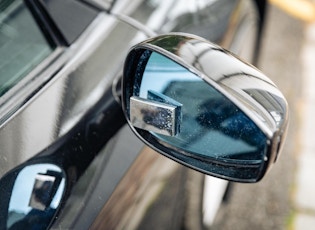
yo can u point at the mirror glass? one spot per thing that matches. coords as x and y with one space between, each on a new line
207 126
35 197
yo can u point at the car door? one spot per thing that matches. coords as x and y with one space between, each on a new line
65 108
58 108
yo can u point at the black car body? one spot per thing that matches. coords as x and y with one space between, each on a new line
62 107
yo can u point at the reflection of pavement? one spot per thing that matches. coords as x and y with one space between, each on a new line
305 184
304 199
302 9
138 191
269 203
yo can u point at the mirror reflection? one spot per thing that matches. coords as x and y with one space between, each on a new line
210 125
35 197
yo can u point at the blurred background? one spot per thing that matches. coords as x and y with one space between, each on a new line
285 198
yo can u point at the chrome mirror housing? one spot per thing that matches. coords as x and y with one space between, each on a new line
203 107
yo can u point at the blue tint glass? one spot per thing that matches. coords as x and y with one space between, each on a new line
35 197
211 125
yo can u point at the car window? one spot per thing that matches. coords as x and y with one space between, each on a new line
22 43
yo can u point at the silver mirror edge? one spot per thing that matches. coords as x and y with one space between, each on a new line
249 105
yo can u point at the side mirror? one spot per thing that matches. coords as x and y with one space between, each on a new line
201 106
31 196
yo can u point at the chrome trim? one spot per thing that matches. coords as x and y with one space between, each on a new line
41 200
12 100
155 116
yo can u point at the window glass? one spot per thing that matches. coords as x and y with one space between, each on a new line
22 43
